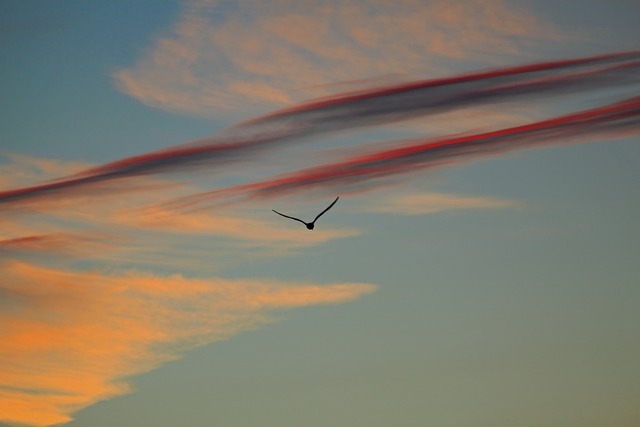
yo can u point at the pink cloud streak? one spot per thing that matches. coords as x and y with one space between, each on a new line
608 120
349 110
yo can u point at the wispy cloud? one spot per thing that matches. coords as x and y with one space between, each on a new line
423 203
70 338
116 217
247 230
110 326
58 243
222 56
612 120
19 169
351 110
520 83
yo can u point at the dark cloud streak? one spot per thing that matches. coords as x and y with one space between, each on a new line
401 101
606 121
380 105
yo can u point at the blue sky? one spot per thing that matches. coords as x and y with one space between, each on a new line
495 289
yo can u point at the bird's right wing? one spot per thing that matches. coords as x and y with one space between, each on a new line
290 217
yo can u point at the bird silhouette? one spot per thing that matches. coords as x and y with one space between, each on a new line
310 225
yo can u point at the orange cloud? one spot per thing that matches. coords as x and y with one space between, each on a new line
248 230
428 203
62 243
22 169
276 52
70 339
117 217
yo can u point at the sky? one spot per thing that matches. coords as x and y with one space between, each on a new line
479 269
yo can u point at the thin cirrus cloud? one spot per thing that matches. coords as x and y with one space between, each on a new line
59 243
249 231
19 169
116 228
620 118
75 341
112 222
221 56
423 203
385 104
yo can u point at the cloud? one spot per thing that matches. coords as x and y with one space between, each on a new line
222 56
349 110
252 231
372 169
390 103
428 203
59 243
71 338
19 169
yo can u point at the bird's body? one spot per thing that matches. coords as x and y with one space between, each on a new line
309 225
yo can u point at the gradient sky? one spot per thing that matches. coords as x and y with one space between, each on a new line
480 268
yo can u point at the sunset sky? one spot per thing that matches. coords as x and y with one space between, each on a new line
480 268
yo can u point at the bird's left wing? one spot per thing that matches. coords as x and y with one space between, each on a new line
329 207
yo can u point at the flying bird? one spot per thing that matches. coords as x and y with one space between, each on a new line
310 225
